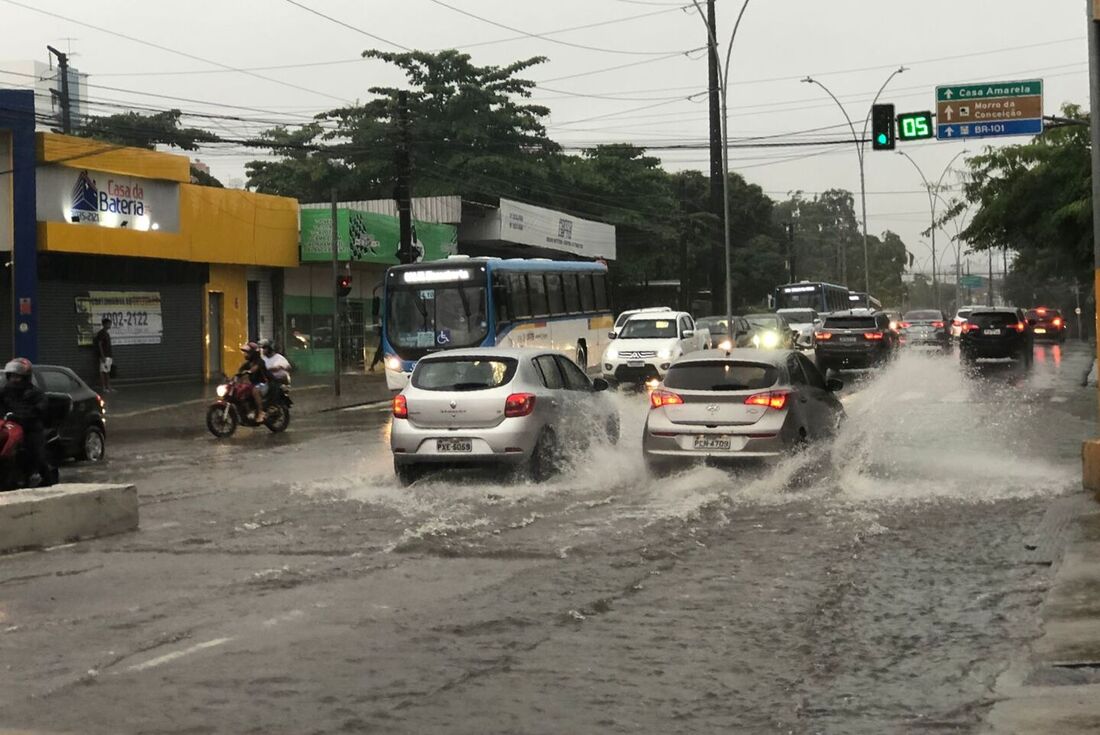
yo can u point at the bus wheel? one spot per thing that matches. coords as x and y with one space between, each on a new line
582 355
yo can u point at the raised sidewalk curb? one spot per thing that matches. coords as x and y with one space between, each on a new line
1055 687
35 518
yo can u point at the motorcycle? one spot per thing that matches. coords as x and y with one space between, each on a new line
234 407
16 469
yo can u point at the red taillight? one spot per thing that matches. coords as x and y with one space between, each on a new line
1020 326
519 404
968 327
1057 321
823 336
776 399
400 407
660 398
873 336
937 325
1040 311
906 325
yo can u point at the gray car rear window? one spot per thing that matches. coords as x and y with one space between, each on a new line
850 322
721 375
464 373
993 318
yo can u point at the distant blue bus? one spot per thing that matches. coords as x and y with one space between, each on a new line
484 302
819 296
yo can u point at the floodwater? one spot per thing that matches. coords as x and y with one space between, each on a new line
877 583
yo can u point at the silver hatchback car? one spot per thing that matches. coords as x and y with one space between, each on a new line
744 404
520 407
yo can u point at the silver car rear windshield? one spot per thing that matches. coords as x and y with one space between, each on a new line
464 373
721 375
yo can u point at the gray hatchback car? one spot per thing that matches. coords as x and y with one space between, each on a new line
520 407
744 404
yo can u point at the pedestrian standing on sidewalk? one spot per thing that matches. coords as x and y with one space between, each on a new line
103 355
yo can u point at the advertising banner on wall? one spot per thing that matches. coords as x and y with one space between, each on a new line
135 317
370 237
545 228
87 197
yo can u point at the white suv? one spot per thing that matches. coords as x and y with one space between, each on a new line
648 343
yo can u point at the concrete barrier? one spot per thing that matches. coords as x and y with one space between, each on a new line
49 516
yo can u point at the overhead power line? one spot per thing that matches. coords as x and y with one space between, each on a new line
349 26
170 50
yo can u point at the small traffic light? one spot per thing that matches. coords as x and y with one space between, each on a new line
343 286
882 128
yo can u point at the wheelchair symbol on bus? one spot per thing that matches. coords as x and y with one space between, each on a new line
444 337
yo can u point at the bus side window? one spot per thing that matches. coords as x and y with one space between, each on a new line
554 294
521 305
599 283
537 288
572 295
588 300
501 299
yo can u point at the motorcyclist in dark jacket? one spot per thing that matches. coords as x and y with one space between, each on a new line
27 407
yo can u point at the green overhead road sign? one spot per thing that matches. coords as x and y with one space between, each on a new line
971 281
991 90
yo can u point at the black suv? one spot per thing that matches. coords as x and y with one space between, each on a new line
854 339
997 332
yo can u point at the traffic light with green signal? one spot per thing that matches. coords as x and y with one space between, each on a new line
883 137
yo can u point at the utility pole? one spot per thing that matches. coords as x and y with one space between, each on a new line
989 293
791 262
1093 10
335 300
403 190
66 103
717 171
685 220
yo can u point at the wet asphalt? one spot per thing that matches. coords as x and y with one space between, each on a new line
286 584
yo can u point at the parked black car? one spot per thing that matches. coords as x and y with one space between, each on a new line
997 333
854 339
925 328
83 432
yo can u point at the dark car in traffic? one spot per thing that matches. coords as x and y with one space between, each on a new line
997 333
83 430
719 331
925 328
1047 324
853 340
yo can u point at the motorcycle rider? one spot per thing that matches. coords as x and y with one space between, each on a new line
27 406
276 364
256 371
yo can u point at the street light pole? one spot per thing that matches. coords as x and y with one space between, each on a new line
860 141
723 87
933 195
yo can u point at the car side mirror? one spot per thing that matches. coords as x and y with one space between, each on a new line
612 335
599 384
688 333
58 406
834 384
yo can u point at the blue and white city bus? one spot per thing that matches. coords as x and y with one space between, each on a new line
816 295
472 302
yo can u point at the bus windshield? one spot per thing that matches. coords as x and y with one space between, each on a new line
439 316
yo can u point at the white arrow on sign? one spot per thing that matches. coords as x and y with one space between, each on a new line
949 94
950 112
949 132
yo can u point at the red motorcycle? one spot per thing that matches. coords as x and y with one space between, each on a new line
235 406
16 470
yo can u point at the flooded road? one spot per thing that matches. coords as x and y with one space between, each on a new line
879 583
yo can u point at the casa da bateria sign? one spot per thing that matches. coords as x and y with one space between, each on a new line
135 317
100 199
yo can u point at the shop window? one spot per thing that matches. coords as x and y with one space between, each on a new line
554 294
572 295
537 289
309 331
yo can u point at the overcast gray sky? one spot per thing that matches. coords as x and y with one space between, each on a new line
653 97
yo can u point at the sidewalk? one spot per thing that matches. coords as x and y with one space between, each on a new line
137 407
1055 687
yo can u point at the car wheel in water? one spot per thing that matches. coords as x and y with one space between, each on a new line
94 446
221 421
613 429
407 474
545 457
278 419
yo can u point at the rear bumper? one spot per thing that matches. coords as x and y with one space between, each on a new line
663 440
997 350
510 442
1052 334
857 357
